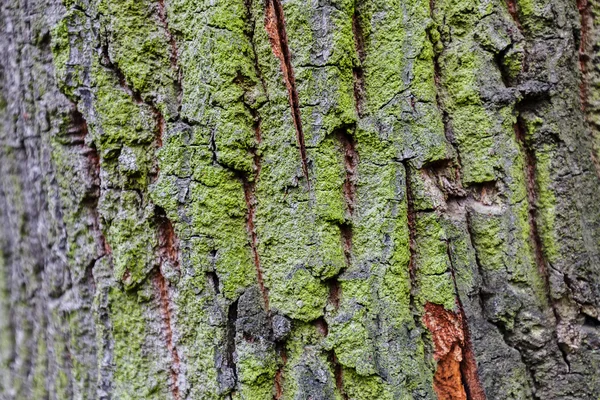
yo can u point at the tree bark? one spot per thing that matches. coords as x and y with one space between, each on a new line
282 199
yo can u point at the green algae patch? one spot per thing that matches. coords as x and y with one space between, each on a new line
136 373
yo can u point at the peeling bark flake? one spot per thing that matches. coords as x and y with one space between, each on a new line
455 377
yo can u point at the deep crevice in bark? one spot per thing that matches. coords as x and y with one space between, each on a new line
586 20
279 378
232 315
275 26
535 238
338 374
168 243
165 305
482 301
323 328
357 71
514 12
468 365
213 279
412 233
249 188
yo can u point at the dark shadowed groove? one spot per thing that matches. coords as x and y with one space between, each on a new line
357 71
586 20
249 188
232 315
323 328
279 379
351 160
275 26
338 374
531 186
165 306
498 326
411 222
77 132
348 146
534 235
249 184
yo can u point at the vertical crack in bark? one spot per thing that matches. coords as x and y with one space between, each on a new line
162 15
351 159
167 240
357 71
468 365
534 235
232 315
168 253
249 185
586 19
79 129
411 222
275 26
279 379
338 374
348 146
501 329
514 12
529 160
252 21
323 329
585 48
165 306
249 188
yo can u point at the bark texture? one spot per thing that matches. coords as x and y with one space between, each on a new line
285 199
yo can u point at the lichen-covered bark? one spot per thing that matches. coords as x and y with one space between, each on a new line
281 199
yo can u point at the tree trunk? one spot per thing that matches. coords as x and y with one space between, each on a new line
282 199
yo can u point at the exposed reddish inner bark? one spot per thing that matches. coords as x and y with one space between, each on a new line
456 373
163 293
279 375
514 12
339 376
411 216
334 293
250 204
168 252
275 26
78 129
167 241
585 13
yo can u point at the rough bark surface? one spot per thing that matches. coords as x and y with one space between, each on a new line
282 199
